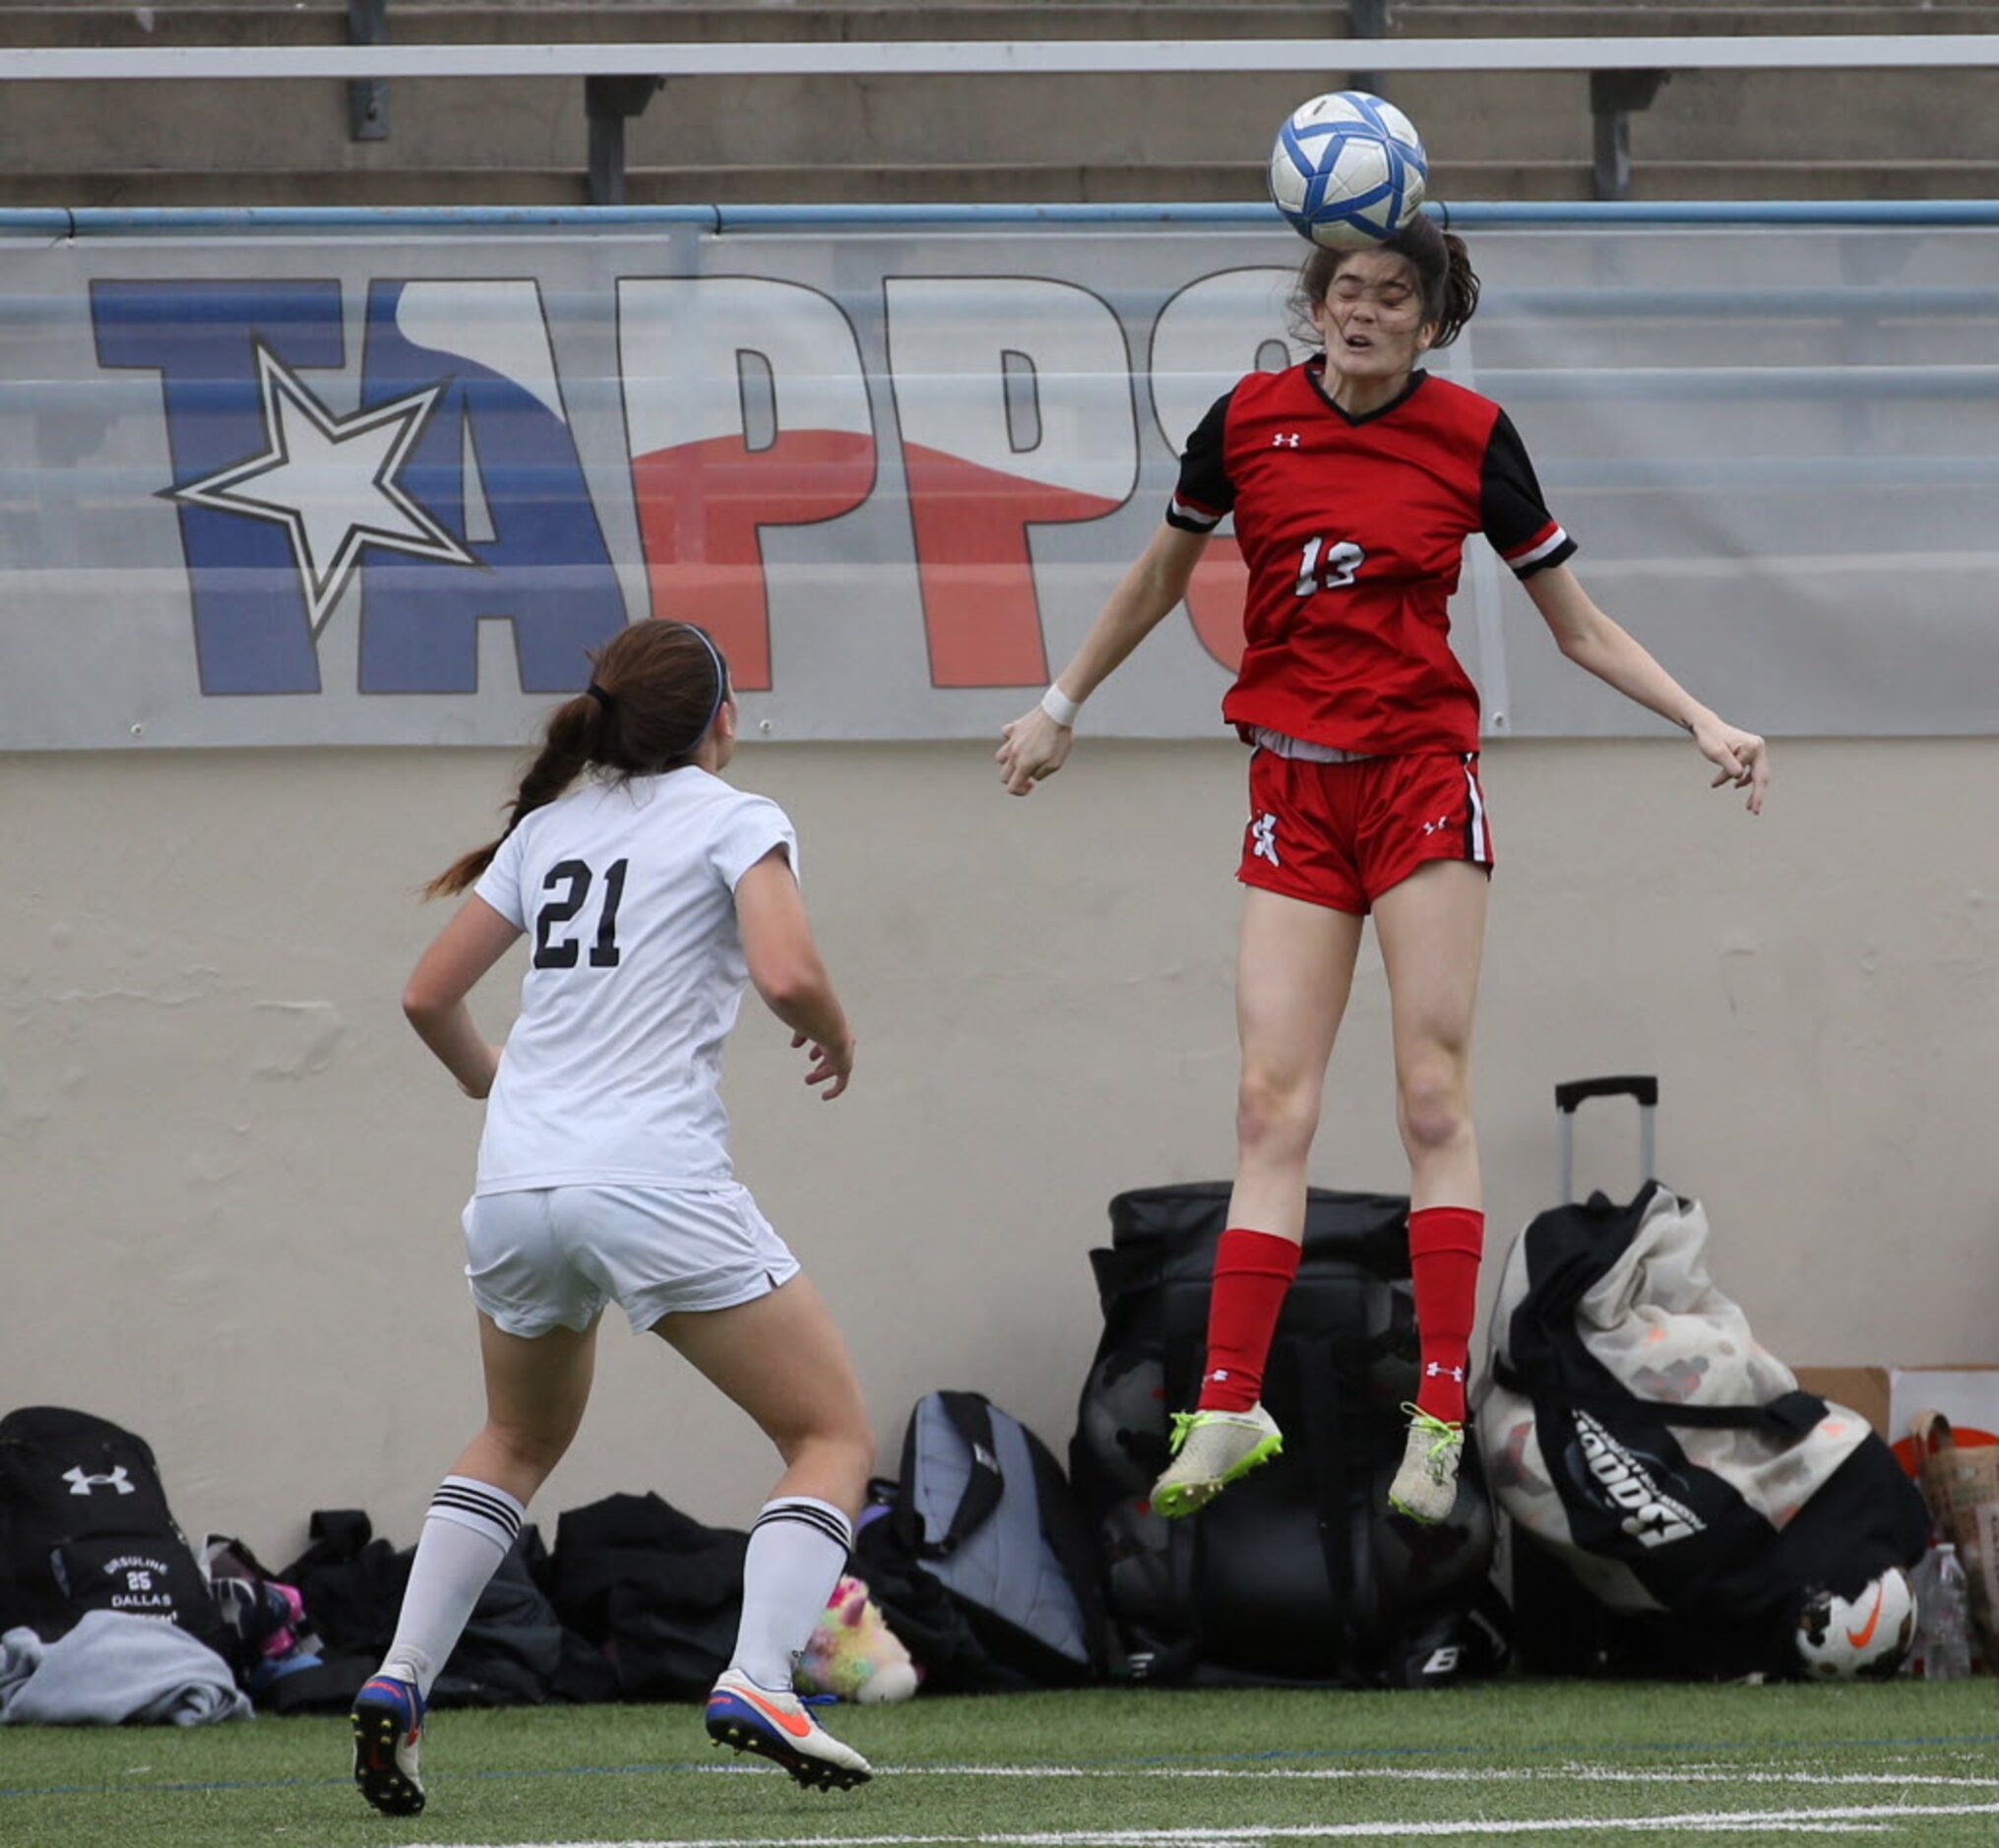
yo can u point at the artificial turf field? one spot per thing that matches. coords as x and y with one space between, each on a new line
1639 1765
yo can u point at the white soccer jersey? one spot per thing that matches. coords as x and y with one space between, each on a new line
635 971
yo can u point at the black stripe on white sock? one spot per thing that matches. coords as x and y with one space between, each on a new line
813 1514
480 1505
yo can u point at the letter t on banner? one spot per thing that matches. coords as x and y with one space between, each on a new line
1013 397
746 406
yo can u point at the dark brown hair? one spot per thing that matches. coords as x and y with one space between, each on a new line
1444 275
654 690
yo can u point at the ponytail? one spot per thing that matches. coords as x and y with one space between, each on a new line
573 739
1461 291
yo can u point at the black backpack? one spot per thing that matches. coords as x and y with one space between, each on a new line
978 1556
85 1526
1300 1574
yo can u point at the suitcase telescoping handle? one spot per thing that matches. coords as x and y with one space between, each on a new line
1570 1097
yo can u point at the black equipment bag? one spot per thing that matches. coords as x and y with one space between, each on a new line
1299 1572
982 1512
1643 1543
85 1526
655 1593
513 1651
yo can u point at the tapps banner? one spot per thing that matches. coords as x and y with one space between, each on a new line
389 488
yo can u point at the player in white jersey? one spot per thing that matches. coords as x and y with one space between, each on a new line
651 891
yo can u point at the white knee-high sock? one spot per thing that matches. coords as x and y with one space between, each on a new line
797 1552
470 1529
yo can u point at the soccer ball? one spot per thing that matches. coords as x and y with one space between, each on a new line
1349 169
1866 1636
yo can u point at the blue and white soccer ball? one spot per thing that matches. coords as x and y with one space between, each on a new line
1349 169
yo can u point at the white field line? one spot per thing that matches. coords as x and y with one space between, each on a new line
1871 1817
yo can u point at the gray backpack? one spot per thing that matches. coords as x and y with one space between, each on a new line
982 1506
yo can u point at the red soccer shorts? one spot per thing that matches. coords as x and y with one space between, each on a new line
1340 834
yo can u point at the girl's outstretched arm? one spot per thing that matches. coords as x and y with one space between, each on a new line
1591 639
1036 743
787 970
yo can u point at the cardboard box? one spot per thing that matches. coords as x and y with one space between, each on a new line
1863 1389
1890 1398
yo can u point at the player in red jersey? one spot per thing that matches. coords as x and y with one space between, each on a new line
1354 480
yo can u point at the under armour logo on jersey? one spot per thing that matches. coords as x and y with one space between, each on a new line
1264 831
82 1484
1436 1370
1438 825
1284 438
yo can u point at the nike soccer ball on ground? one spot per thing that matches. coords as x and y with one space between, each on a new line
1349 169
1865 1636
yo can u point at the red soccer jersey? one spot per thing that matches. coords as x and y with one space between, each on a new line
1353 530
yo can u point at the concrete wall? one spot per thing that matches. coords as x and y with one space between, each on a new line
229 1176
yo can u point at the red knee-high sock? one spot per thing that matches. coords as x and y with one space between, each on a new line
1252 1273
1445 1243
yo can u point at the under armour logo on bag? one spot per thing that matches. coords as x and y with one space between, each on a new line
1436 1370
82 1484
1264 831
1284 438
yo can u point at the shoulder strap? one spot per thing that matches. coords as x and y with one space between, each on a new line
1329 1407
970 1415
1790 1415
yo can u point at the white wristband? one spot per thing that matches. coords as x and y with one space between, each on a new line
1060 706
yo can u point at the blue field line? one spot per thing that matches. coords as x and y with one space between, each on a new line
82 221
196 1788
704 1765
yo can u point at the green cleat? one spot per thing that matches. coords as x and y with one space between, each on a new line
1210 1450
1425 1486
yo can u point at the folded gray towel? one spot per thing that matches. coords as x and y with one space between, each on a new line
114 1667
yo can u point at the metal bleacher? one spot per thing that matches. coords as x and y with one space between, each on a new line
885 136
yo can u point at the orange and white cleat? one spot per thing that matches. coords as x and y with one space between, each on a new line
778 1727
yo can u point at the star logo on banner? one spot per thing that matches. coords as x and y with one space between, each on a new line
330 482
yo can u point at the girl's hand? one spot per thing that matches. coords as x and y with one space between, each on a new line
1742 758
832 1065
1031 747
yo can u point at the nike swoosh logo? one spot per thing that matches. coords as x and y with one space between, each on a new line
796 1724
1860 1639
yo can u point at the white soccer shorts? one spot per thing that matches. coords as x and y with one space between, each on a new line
545 1258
